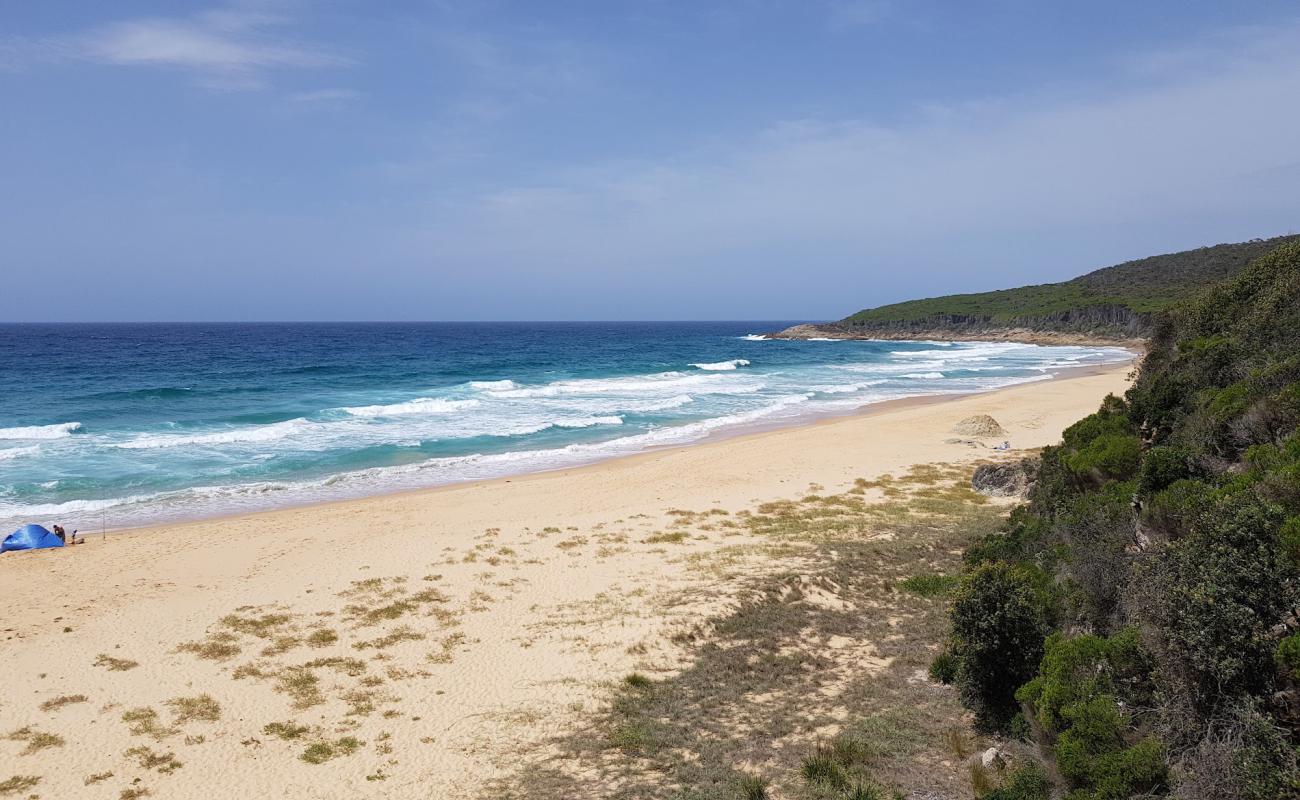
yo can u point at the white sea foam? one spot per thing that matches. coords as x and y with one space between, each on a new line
754 337
18 452
844 388
638 385
488 386
927 376
587 422
56 431
723 366
609 405
420 405
258 433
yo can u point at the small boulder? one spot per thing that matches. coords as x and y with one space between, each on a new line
980 425
992 758
1005 479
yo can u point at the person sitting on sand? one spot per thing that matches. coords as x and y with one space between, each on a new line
58 531
74 540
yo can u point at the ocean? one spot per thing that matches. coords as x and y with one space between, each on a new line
125 424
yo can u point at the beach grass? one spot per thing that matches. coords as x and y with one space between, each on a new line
18 783
826 641
54 704
115 664
35 740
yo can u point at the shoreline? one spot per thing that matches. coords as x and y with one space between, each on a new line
454 632
760 428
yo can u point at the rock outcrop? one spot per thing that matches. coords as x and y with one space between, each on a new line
1005 479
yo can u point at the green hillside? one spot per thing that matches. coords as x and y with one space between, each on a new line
1136 620
1118 299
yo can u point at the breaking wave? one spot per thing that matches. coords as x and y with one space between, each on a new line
723 366
56 431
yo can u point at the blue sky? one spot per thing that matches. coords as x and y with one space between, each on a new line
742 159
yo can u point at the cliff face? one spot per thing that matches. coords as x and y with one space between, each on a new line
1103 320
1099 324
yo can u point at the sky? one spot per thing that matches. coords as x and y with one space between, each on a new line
607 159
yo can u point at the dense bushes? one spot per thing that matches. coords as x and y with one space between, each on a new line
1143 607
1082 699
1210 602
998 621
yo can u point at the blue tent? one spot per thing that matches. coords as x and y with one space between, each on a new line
29 537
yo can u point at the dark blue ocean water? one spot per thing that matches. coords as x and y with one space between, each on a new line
124 424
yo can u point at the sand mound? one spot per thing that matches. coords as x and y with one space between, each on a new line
981 425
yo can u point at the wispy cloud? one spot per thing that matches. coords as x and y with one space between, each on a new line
324 97
856 13
1209 147
229 48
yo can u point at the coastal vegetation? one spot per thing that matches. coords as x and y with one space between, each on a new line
1135 621
1122 301
810 681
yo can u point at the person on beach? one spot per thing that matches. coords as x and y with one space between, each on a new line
58 531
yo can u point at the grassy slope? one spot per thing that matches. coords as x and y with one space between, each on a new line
1143 286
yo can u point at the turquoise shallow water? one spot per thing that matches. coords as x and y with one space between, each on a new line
126 424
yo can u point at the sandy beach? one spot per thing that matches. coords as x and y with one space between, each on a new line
425 643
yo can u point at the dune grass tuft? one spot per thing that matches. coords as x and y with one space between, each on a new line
146 758
753 787
56 703
638 681
287 731
400 634
266 626
144 721
202 708
320 752
212 649
322 638
36 740
115 664
302 685
929 584
18 783
449 644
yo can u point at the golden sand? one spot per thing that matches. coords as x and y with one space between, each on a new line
410 645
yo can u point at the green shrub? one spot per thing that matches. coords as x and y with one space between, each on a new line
1161 467
1230 402
1287 656
1097 532
999 622
1018 540
1288 540
1135 770
1111 419
1028 782
1173 511
1211 599
1109 457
